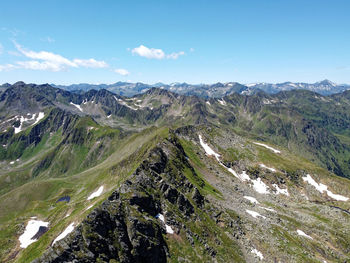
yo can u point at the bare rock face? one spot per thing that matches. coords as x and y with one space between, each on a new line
125 228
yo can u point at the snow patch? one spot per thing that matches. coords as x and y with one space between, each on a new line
280 190
251 199
124 103
260 186
209 151
68 230
31 229
41 115
267 168
207 102
254 214
267 147
77 106
302 233
167 227
257 253
244 176
268 209
97 193
222 102
323 188
267 101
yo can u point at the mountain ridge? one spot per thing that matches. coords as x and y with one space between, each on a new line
215 90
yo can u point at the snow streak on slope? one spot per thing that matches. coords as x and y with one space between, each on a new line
255 214
68 230
77 106
209 151
97 193
302 233
267 147
324 188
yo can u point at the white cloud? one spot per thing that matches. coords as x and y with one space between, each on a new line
46 56
44 60
90 63
122 71
14 53
148 52
175 55
191 49
38 65
1 49
154 53
7 67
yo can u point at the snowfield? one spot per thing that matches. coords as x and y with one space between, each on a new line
324 188
31 229
267 147
97 193
68 230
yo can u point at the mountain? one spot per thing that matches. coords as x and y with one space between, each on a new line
217 90
93 176
324 87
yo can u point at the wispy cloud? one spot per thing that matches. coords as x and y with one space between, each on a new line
13 31
1 49
7 67
155 53
44 60
122 71
48 39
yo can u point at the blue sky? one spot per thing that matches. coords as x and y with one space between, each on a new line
66 42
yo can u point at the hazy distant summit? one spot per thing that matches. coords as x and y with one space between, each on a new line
216 90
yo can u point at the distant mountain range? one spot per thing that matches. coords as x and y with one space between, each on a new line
217 90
